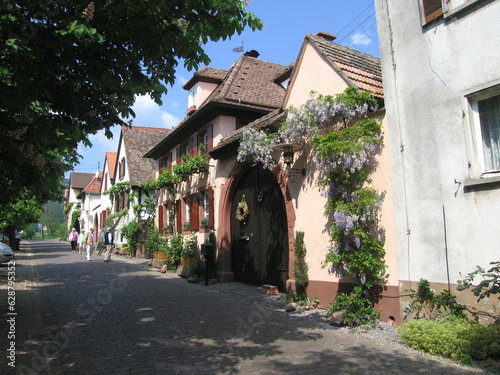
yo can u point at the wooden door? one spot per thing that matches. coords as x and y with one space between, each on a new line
259 245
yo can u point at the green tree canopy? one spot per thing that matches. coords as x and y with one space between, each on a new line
71 68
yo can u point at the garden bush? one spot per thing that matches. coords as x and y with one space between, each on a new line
457 339
358 308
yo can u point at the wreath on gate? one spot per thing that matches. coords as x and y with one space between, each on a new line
242 210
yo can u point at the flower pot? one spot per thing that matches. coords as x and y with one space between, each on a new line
188 261
159 255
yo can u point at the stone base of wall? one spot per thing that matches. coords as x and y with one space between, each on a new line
325 291
491 305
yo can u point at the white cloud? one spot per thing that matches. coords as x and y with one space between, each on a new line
148 113
360 39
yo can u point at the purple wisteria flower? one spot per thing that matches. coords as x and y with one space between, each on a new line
257 146
345 222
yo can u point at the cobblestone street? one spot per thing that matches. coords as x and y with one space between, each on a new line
79 317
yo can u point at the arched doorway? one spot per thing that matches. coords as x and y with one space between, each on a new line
259 246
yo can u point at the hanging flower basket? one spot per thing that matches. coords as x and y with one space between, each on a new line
242 210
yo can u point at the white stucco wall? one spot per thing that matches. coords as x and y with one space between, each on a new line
426 72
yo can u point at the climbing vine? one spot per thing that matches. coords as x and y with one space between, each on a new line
118 188
344 143
179 173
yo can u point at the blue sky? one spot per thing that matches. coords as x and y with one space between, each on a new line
286 22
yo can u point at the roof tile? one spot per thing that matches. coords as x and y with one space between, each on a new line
138 140
362 70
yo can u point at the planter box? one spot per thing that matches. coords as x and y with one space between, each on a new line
188 261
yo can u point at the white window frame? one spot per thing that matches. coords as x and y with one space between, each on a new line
206 204
477 165
452 7
193 96
188 210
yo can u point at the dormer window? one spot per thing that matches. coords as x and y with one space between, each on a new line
193 96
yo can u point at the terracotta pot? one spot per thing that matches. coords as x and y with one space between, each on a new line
188 261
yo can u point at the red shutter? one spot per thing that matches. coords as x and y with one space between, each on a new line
179 207
211 218
194 220
432 9
161 218
193 149
210 136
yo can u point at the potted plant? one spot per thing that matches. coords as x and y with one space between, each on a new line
204 222
186 225
189 253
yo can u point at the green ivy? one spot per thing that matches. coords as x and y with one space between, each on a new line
118 188
180 172
131 232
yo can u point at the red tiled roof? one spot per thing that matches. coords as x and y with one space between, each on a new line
138 140
249 84
111 160
359 69
94 186
250 81
206 74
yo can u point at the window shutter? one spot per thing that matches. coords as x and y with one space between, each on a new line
179 215
432 9
193 150
211 218
194 220
178 159
161 218
210 136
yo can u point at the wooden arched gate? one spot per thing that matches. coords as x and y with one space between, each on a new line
259 245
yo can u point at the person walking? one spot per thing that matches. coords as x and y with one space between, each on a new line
108 242
89 243
73 238
81 241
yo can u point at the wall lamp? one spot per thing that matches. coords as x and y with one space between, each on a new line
288 150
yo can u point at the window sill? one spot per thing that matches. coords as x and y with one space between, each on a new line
453 12
482 181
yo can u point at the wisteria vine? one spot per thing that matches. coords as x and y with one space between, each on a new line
344 142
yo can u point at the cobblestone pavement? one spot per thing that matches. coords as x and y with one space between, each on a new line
79 317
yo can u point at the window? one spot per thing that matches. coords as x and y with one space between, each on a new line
121 168
187 204
484 118
193 96
206 204
164 162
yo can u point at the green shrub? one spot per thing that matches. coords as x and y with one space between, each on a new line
174 251
429 305
359 309
131 232
190 248
300 268
458 339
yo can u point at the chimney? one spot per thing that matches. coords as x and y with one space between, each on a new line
326 36
252 53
